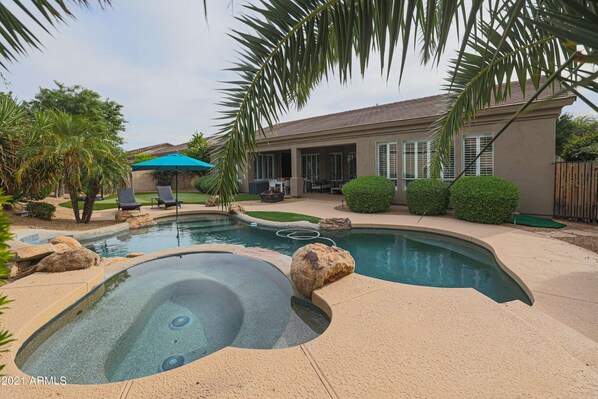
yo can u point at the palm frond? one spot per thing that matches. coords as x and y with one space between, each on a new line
292 47
16 30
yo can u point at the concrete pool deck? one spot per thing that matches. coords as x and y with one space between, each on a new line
386 339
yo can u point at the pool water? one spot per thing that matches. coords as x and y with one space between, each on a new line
168 312
395 255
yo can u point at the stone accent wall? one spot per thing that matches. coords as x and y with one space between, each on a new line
144 182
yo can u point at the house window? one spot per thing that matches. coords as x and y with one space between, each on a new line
264 166
484 165
352 165
417 156
336 166
386 160
310 166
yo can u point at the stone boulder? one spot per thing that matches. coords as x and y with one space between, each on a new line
316 265
32 252
70 241
59 247
335 224
122 216
141 221
72 259
213 201
235 209
136 220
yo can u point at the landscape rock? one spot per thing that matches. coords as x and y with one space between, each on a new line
70 241
140 221
72 259
335 224
59 247
122 216
134 254
235 209
213 201
316 265
31 252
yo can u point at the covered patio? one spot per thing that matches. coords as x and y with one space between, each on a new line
296 171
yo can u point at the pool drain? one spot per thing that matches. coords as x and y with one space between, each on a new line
179 322
302 235
172 362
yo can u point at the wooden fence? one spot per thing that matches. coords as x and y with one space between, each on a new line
576 191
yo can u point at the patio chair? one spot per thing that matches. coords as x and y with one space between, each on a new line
126 200
165 197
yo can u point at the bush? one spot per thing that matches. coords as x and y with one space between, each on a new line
484 199
204 184
41 210
369 194
582 148
427 197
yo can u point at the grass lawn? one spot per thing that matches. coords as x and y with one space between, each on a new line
145 199
282 216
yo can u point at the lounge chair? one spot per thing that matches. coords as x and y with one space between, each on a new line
165 197
126 200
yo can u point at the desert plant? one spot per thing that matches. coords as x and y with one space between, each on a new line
5 336
484 199
369 194
427 197
41 210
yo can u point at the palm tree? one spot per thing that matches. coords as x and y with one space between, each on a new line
70 146
293 44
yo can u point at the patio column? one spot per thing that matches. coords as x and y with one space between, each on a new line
296 179
247 176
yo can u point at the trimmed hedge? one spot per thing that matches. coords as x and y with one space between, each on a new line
427 197
204 184
41 210
369 194
484 199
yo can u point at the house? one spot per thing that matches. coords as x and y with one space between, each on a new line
393 140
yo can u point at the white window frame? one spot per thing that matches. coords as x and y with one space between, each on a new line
388 169
336 160
262 160
429 153
478 149
310 156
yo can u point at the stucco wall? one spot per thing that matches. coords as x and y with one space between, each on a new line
524 154
144 182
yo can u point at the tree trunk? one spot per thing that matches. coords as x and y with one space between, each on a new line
75 204
88 208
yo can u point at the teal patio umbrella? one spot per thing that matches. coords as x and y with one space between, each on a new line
173 163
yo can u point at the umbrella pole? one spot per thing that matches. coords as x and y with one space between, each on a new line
176 184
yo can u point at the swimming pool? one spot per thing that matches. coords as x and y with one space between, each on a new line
168 312
408 257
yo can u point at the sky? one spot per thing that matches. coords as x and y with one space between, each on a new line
165 63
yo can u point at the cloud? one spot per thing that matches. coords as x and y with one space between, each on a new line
163 62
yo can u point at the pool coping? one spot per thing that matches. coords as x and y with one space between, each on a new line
540 254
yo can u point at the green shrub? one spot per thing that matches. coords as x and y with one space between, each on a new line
204 184
5 255
41 210
369 194
484 199
582 148
427 197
